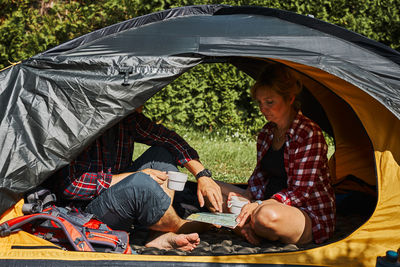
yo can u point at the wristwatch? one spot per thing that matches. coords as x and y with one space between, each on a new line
205 172
259 202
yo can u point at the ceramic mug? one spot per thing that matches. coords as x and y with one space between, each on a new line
176 180
235 204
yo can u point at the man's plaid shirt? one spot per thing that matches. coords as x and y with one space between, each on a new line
91 172
306 164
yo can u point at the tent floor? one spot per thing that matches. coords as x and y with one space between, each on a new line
353 209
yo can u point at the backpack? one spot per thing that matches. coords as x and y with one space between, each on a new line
69 228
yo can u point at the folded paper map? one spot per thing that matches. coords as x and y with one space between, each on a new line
223 219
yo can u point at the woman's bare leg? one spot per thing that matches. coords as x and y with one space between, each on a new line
277 221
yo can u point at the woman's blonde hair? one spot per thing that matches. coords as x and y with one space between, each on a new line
280 79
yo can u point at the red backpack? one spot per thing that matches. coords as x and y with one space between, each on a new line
69 228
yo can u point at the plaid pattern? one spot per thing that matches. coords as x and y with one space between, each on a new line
306 165
91 172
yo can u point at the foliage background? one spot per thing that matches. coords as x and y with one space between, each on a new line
208 97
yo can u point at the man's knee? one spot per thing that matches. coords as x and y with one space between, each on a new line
160 154
147 200
157 158
140 181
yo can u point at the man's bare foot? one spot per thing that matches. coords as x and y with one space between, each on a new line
186 242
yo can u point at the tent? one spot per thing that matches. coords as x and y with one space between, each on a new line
57 102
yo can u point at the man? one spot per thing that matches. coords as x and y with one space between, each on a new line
123 193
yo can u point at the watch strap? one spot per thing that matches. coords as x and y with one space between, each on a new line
205 172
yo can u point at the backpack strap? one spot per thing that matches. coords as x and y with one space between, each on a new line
76 239
38 200
68 226
77 217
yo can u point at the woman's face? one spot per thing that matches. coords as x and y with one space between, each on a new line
273 106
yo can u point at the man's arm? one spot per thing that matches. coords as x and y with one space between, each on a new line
150 133
206 186
143 130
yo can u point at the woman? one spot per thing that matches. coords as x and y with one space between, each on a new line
290 195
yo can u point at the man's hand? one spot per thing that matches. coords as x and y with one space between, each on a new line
159 176
208 188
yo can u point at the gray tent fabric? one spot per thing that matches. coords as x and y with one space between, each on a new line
56 103
53 112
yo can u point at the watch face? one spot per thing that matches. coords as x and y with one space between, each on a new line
205 172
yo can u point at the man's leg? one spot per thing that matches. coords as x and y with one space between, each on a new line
157 158
136 200
161 159
186 242
139 200
171 222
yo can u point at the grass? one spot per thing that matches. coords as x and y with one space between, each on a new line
231 158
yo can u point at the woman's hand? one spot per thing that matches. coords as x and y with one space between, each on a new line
245 213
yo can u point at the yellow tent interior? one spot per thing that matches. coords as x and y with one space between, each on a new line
366 131
366 147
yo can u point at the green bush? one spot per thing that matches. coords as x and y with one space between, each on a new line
29 27
208 96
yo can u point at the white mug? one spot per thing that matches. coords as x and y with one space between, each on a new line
235 204
176 180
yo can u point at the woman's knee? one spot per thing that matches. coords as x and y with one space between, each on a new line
265 218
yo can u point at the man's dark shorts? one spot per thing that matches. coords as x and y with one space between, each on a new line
138 199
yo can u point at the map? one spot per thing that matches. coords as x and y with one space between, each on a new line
223 219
